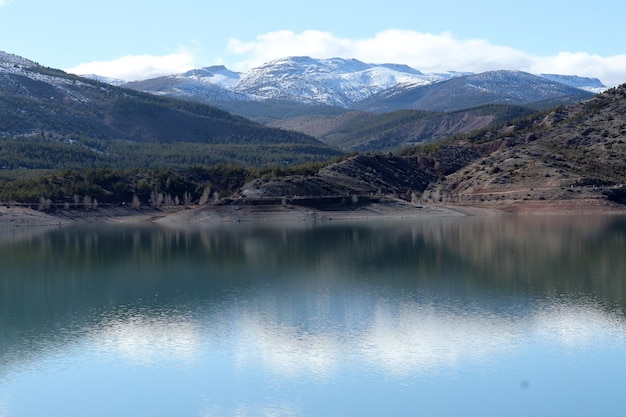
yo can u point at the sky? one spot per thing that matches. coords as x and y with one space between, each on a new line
140 39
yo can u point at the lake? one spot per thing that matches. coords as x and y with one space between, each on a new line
476 316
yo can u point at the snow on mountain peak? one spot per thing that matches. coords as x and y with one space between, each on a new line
333 81
217 74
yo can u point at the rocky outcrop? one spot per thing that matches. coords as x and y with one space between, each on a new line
374 175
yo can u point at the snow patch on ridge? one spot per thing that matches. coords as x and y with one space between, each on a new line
593 85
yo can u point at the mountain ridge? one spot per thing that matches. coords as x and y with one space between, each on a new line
491 87
334 81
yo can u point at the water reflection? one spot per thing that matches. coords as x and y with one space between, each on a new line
147 339
417 340
380 306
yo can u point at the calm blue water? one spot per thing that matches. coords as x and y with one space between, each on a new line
448 317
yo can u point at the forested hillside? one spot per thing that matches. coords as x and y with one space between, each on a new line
50 119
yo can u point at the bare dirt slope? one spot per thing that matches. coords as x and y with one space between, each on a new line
571 153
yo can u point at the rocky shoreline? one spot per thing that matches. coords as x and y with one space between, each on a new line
241 211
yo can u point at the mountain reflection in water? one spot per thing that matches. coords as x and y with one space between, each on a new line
390 304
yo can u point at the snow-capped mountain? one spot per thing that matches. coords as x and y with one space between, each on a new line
517 85
217 74
491 87
216 83
335 81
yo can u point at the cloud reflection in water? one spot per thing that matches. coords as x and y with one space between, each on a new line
412 340
146 339
420 340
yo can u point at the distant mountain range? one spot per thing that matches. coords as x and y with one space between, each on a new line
352 84
344 103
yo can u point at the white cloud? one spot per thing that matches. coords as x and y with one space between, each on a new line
138 67
610 70
424 51
284 43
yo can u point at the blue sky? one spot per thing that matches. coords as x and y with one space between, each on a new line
139 39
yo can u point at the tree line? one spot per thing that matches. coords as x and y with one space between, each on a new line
93 187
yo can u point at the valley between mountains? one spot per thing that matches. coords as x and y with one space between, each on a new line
301 137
